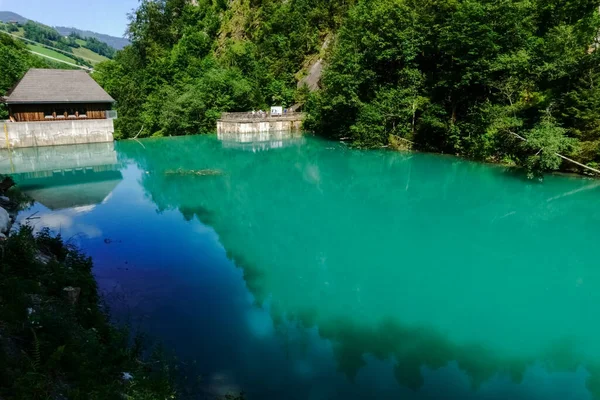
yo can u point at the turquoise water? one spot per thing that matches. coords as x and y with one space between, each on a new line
307 270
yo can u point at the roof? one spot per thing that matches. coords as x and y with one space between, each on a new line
57 86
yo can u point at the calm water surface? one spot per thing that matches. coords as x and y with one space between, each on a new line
311 271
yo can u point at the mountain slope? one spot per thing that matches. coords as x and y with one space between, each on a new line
46 41
113 41
9 16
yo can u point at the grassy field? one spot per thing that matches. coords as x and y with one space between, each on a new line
87 53
50 53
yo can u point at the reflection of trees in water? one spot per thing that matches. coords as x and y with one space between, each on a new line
251 205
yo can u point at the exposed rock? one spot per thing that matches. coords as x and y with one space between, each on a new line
314 76
72 294
4 221
315 69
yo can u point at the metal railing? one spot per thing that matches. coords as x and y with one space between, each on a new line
240 116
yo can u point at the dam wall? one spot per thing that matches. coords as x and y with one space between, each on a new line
248 123
54 133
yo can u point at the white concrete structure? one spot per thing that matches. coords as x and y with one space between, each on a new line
54 133
255 123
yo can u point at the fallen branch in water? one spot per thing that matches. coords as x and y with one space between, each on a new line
138 134
559 155
192 172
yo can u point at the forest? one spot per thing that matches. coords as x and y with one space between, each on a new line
512 81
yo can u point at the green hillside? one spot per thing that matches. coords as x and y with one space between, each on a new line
51 53
74 48
89 54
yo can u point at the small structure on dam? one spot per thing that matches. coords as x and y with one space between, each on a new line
51 107
257 122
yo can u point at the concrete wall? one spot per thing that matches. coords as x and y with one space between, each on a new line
54 133
259 126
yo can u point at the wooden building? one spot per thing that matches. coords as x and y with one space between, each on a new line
57 95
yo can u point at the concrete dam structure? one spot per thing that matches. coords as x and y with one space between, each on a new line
54 133
250 123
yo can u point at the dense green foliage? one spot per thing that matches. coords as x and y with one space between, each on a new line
54 347
188 63
99 47
465 77
48 36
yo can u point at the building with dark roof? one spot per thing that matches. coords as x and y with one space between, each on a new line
50 107
51 94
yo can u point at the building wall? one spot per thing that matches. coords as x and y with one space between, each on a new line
54 133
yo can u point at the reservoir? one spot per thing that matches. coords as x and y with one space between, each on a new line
298 268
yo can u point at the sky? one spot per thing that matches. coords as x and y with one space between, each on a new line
102 16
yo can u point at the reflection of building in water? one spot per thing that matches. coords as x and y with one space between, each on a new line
261 141
64 176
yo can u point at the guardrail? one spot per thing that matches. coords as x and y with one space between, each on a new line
240 116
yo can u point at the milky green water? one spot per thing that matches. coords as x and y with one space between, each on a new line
312 271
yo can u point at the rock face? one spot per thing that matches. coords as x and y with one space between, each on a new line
4 221
315 70
314 76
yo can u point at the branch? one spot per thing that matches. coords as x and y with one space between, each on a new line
138 134
560 155
401 138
